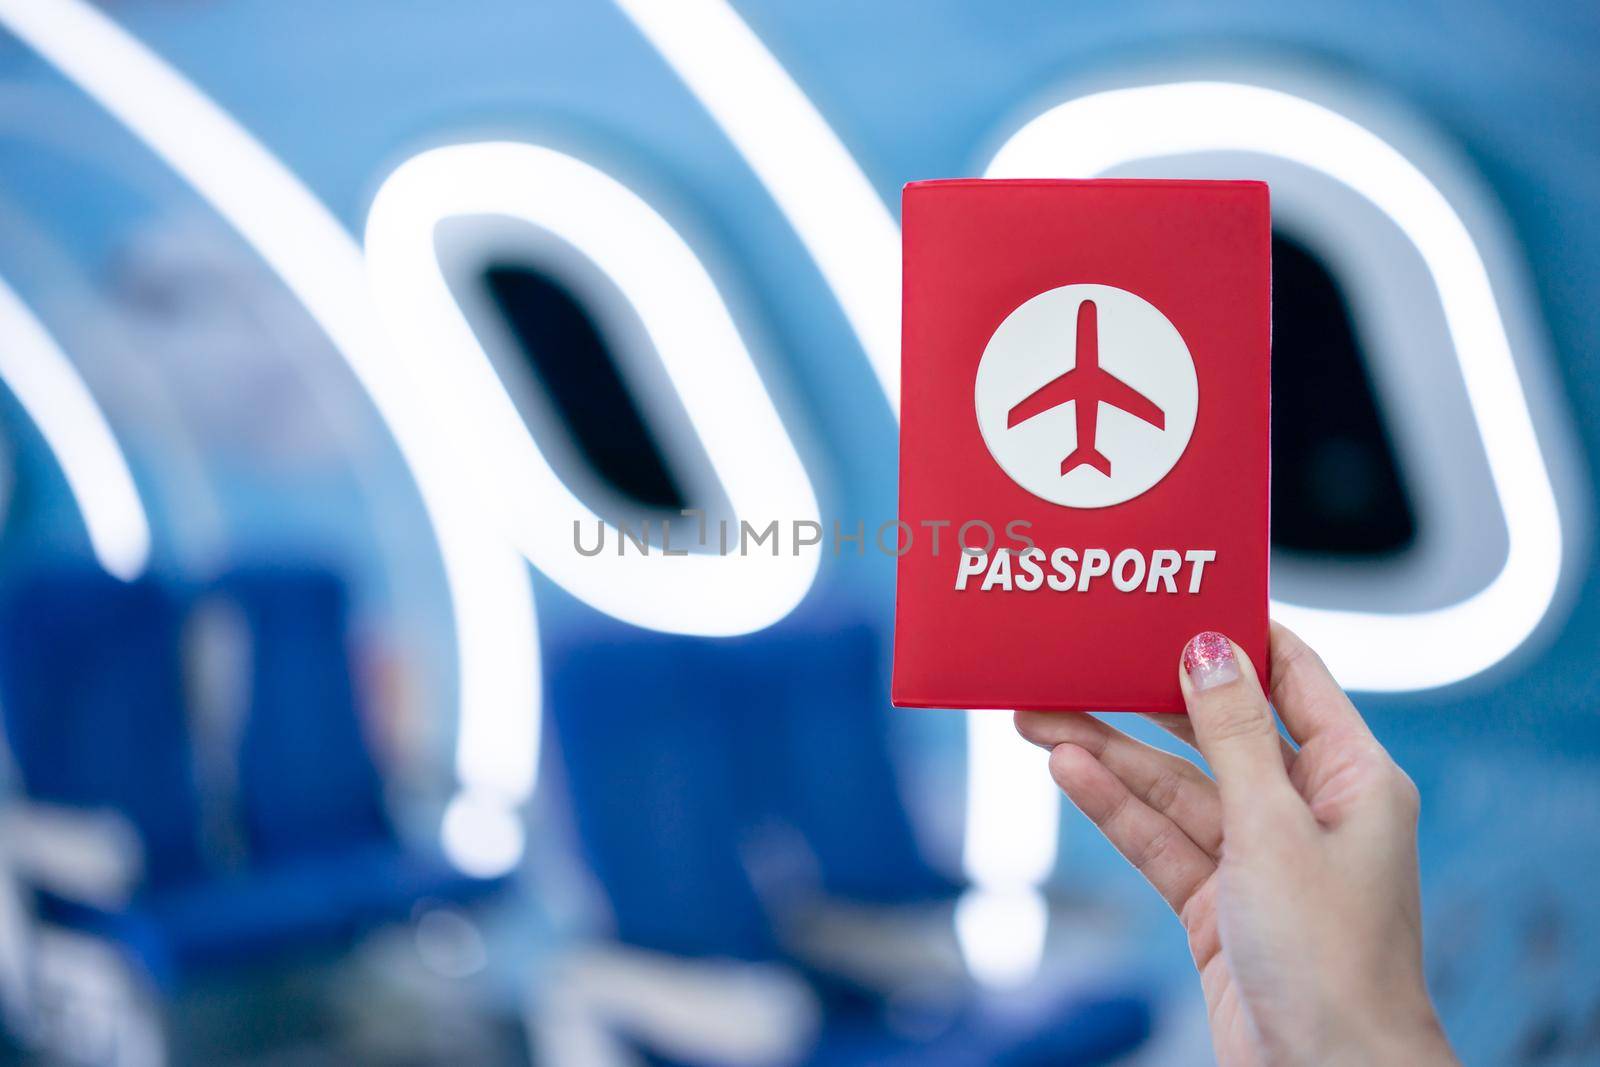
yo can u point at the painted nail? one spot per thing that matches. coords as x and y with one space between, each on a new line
1208 659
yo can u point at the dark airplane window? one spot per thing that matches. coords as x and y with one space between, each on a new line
568 356
1336 488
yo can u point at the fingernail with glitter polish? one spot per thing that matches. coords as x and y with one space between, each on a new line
1208 660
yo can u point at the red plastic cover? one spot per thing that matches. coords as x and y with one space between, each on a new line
1085 406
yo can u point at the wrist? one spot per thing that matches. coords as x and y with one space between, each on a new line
1425 1045
1417 1039
1399 1027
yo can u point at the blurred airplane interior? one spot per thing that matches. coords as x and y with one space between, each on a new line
328 332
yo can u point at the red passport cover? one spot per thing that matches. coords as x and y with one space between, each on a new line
1086 374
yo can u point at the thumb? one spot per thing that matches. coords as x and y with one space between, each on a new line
1233 726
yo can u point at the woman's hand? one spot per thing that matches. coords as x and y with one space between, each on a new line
1294 872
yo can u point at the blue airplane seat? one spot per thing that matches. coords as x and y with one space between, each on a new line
715 738
1072 1030
310 796
823 691
646 731
677 749
91 689
91 679
1075 1030
306 780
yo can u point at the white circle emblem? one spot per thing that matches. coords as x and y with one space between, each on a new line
1086 395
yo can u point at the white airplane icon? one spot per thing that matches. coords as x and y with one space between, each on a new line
1089 386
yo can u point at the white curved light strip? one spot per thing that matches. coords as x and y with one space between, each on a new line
1393 652
692 332
1013 818
834 210
49 389
497 656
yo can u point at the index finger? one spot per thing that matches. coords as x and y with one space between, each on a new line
1307 698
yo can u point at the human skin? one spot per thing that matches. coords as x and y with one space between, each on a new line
1294 870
